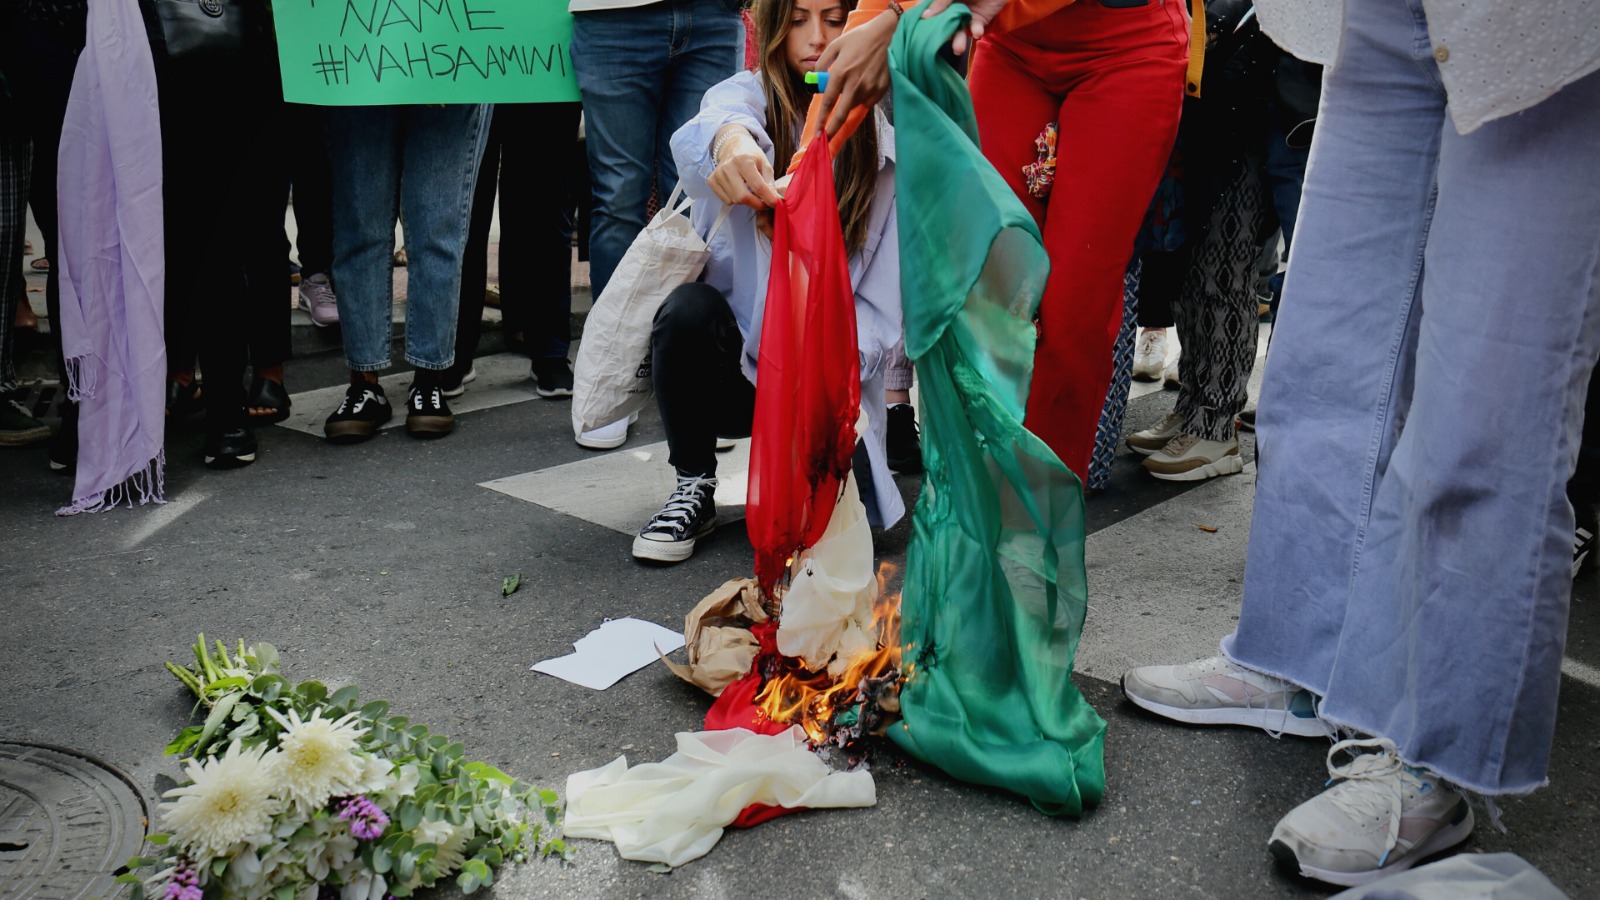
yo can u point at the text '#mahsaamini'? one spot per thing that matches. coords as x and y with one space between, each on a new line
429 39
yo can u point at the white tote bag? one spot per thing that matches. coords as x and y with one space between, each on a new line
612 375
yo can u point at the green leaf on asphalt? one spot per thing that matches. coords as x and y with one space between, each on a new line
159 839
510 585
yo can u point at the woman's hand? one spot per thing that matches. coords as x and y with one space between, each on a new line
857 63
743 176
983 12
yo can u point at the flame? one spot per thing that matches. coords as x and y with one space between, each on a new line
812 699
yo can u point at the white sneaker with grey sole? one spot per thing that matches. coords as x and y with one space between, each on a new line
1382 817
607 437
1216 691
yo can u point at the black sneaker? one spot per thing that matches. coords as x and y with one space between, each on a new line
904 444
427 413
553 375
1245 421
690 514
1583 539
18 427
64 446
230 448
363 412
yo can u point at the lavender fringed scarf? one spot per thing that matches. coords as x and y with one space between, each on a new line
112 267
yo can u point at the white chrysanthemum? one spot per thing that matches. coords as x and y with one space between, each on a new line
230 800
451 841
318 759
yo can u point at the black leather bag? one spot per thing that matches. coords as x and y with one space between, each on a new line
213 30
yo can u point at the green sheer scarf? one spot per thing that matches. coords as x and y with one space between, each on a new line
995 591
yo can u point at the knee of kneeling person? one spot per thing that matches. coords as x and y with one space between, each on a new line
689 309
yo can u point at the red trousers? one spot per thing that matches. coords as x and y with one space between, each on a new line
1113 79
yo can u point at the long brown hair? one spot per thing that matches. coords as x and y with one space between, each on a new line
855 170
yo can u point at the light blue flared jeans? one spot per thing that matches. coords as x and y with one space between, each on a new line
1411 549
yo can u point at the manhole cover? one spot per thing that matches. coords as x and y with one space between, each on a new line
66 822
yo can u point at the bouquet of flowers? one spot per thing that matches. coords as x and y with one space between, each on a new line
294 793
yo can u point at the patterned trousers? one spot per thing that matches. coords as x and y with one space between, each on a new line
1216 313
1109 431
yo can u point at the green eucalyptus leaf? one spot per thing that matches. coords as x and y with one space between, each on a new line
405 866
158 838
345 697
129 878
374 710
218 866
381 861
510 584
410 815
312 693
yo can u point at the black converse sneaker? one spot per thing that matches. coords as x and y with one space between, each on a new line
363 412
690 514
427 413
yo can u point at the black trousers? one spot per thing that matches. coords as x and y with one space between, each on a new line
531 157
311 178
695 346
227 294
38 61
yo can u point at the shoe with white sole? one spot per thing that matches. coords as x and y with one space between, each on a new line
607 437
1189 457
1150 355
1156 436
1215 691
689 514
1382 817
316 297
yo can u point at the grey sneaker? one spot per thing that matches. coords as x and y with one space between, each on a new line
1215 691
1189 457
1382 817
316 296
1156 436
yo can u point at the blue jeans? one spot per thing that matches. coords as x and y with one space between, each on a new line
418 164
642 71
1411 549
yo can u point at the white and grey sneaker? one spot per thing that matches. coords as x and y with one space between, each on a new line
1156 436
1216 691
690 514
1150 355
1189 457
1382 816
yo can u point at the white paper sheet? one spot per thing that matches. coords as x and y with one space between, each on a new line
616 649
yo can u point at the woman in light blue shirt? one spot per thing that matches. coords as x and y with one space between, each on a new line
706 336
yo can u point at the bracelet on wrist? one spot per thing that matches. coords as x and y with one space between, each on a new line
721 143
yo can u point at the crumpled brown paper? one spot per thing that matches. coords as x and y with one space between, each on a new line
717 636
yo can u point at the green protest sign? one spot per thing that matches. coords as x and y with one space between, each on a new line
388 52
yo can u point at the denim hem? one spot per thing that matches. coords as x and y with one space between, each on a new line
368 367
429 364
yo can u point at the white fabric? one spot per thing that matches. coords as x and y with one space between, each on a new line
675 810
741 259
1499 58
611 380
827 612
